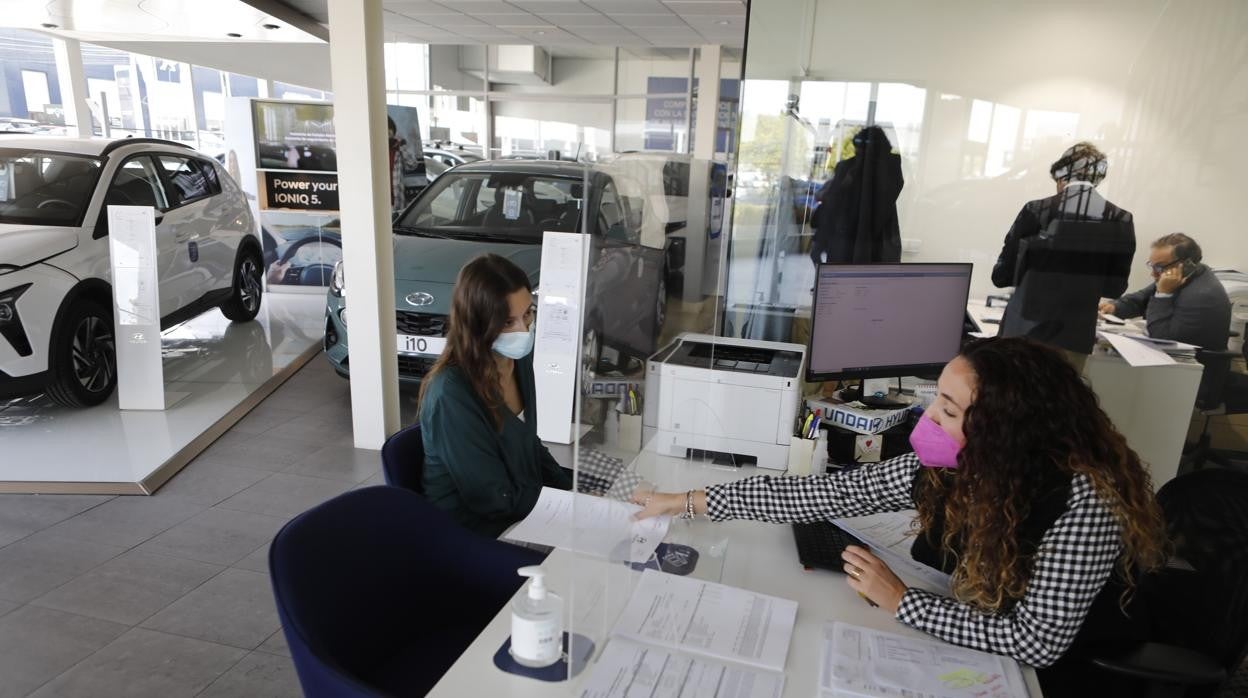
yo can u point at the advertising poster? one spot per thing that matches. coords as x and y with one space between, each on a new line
665 117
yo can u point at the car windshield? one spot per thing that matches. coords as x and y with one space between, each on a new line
42 188
508 206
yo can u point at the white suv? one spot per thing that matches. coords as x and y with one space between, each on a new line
56 319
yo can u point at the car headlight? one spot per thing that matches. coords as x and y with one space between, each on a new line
8 303
338 281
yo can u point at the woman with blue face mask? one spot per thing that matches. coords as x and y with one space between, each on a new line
483 461
1025 494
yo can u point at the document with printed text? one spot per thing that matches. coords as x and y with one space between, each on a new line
890 536
591 525
866 663
687 638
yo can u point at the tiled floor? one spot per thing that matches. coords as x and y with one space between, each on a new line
169 595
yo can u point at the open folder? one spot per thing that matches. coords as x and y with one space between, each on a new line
678 634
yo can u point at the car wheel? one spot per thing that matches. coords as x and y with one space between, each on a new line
244 303
83 363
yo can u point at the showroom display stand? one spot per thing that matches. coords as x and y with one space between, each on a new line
222 370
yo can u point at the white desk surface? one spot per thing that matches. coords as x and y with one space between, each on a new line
757 556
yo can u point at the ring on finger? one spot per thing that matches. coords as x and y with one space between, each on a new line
855 572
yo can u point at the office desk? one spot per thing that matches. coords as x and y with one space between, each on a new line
757 556
1150 405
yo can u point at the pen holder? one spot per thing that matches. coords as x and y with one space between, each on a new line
630 432
801 453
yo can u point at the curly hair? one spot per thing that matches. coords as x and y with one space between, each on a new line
478 314
1032 419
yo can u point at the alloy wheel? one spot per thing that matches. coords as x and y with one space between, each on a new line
249 288
93 354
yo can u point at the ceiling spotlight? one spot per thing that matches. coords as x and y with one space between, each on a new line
48 25
271 26
723 22
234 35
540 32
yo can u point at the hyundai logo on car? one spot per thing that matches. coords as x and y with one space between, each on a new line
419 298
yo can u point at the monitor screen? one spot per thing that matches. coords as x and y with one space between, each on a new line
885 320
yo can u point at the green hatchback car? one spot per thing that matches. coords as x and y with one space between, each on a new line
504 207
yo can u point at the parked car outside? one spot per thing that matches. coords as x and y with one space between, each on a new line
504 207
56 306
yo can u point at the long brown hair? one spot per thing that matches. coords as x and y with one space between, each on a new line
1032 415
479 311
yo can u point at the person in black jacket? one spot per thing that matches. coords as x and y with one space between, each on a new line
856 220
1185 302
1060 275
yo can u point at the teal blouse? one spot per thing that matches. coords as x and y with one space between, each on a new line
485 479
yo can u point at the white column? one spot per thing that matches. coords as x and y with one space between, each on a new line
707 71
73 82
358 73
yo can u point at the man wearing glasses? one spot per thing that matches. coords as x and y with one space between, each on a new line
1185 302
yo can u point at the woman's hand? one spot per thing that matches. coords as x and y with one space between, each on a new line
656 503
869 576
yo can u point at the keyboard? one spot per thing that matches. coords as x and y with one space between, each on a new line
820 544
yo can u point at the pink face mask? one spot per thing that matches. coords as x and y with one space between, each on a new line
934 447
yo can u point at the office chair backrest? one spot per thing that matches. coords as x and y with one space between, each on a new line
379 592
403 459
1206 515
1211 393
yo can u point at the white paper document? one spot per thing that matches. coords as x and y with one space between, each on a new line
1135 352
890 536
713 620
869 663
630 670
591 525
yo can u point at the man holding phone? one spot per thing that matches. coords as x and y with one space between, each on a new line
1185 302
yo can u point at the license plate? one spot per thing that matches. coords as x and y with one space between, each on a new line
415 344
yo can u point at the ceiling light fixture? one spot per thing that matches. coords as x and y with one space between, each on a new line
234 35
723 22
540 32
48 25
271 26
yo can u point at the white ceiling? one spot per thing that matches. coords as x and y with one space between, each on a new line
163 20
570 24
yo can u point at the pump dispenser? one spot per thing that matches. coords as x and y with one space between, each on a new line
536 623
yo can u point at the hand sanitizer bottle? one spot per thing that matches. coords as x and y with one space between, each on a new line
536 623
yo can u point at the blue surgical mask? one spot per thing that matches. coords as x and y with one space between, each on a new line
514 345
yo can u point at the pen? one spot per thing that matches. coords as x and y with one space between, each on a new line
869 601
806 427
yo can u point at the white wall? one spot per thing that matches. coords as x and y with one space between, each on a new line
1158 85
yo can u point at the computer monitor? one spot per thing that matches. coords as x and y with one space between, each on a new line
885 320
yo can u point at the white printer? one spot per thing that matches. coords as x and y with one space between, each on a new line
727 396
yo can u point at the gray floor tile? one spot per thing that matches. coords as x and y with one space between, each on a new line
207 482
285 495
129 587
142 664
219 536
234 608
257 561
378 478
314 432
37 644
128 521
6 606
262 419
10 534
259 674
339 462
42 562
276 644
262 452
38 511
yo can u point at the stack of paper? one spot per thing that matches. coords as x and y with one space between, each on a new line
867 663
684 637
591 525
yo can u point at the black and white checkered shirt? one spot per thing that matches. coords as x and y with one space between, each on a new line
1074 560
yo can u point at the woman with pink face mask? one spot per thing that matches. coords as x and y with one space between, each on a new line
1026 495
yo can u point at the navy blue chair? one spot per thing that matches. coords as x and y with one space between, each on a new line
403 460
379 592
